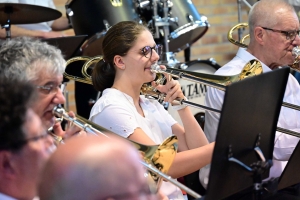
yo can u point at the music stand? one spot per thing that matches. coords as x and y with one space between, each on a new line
288 176
248 120
68 45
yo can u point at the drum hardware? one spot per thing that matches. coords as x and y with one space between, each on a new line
106 24
168 58
184 66
152 155
69 12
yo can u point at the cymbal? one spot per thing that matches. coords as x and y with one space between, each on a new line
19 13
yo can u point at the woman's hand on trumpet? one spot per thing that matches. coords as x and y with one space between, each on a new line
172 88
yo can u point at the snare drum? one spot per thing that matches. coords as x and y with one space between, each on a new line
191 25
195 92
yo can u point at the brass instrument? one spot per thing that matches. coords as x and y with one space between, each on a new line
88 62
157 158
252 68
295 51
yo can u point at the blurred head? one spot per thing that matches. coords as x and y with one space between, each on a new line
24 142
273 28
128 51
94 168
37 62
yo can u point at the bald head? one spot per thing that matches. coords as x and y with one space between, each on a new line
92 168
268 13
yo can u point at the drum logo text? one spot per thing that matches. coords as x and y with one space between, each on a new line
194 90
116 3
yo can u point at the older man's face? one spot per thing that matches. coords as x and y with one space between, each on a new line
280 46
50 96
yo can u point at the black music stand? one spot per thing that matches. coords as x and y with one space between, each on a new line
68 45
290 174
247 125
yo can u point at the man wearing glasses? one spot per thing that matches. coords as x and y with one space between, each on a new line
41 64
24 142
274 32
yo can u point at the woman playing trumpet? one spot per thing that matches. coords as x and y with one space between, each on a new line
129 50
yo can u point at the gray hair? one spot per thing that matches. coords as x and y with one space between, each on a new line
25 58
262 13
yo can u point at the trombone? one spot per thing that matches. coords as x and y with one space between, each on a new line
157 158
252 68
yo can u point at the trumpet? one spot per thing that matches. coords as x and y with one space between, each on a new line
241 43
157 158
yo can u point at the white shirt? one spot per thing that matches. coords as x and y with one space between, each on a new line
288 118
43 26
6 197
115 111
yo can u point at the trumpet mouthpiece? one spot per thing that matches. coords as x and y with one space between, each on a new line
296 51
155 68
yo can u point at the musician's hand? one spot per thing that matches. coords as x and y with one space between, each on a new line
71 129
172 88
57 129
162 196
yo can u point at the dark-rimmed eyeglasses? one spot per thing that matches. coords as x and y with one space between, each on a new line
17 145
147 50
49 89
290 35
36 138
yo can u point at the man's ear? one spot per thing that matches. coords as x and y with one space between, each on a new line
8 165
260 35
118 61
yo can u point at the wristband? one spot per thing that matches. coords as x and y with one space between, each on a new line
179 105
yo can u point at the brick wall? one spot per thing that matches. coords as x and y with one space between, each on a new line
222 15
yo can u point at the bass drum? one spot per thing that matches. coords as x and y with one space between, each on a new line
195 92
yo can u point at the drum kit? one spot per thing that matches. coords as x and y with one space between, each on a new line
175 23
